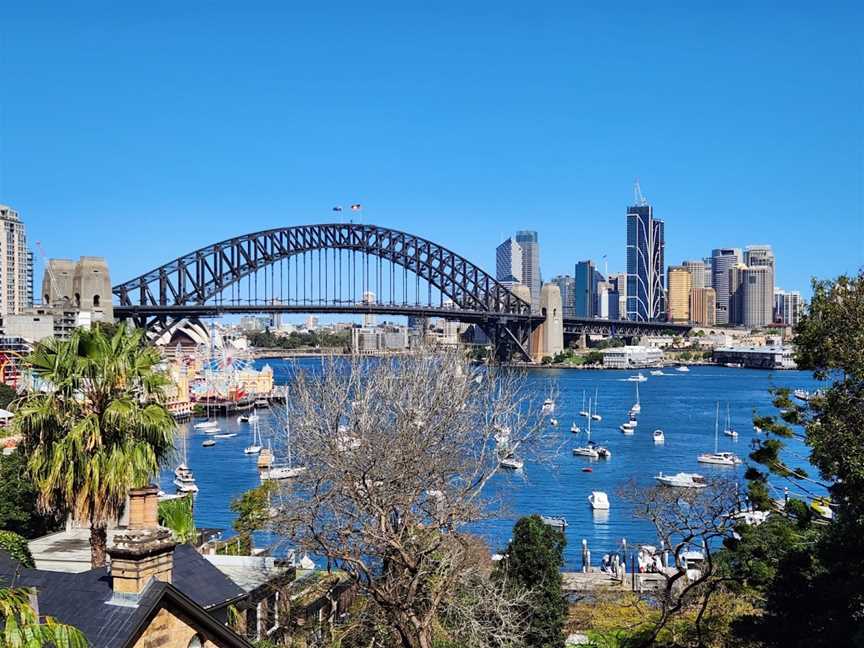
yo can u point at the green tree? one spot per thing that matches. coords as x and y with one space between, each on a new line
7 395
21 627
19 512
533 562
100 430
177 515
16 546
253 512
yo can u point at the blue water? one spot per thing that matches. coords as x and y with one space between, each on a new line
681 404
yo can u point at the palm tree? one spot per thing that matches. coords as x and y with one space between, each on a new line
21 626
96 427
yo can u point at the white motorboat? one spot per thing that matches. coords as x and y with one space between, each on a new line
639 377
683 369
682 480
731 433
225 435
511 463
276 473
603 452
553 422
209 443
583 411
206 425
594 415
575 429
248 418
599 500
718 458
757 429
657 372
728 430
262 402
637 406
586 451
554 522
659 437
804 395
628 428
548 406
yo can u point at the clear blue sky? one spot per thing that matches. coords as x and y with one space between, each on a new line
141 133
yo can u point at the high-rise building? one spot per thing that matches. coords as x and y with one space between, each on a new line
697 274
735 283
567 286
759 255
722 259
646 292
788 306
368 299
619 286
530 245
16 265
585 282
678 287
508 262
758 296
703 306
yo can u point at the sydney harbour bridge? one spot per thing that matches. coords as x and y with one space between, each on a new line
345 268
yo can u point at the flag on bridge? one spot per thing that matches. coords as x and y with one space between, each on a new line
337 208
356 207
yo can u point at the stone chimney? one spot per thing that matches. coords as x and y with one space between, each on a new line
145 551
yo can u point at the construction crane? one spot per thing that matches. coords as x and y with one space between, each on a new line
637 191
55 288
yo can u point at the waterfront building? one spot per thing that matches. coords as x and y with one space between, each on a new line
382 339
368 299
763 357
585 282
253 323
508 262
698 276
311 322
16 265
703 306
646 292
629 357
678 294
788 306
530 246
722 259
567 285
757 296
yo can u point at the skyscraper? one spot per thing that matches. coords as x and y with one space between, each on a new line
697 274
788 306
508 262
678 294
703 306
530 245
646 292
735 283
759 255
722 259
567 286
762 256
584 289
16 264
619 286
758 296
368 299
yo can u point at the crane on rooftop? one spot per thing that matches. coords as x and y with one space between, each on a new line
637 191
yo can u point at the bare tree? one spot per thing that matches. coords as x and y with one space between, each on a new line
397 453
686 520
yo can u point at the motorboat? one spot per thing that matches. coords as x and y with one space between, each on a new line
209 443
276 473
682 480
511 463
822 507
599 500
206 425
683 369
603 452
639 377
637 406
586 451
757 429
548 406
554 522
262 402
248 418
657 372
659 437
553 422
594 415
719 458
225 435
575 429
628 428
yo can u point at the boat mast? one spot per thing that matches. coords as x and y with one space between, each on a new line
717 428
287 427
637 393
589 418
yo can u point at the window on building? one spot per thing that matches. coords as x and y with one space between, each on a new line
96 301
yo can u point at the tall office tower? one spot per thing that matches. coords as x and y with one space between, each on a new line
619 284
722 259
736 294
646 292
759 255
567 287
527 240
703 306
606 301
368 318
678 288
585 283
758 296
697 274
508 262
788 306
16 265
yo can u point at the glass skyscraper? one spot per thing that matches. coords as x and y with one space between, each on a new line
530 245
646 290
584 289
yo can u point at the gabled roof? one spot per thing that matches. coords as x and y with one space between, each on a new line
82 599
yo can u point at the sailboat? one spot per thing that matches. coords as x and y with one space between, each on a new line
637 406
591 449
184 480
209 425
248 418
718 458
595 415
583 411
728 430
288 471
255 446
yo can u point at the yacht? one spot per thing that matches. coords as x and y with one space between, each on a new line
184 479
682 480
683 369
587 451
603 452
583 411
248 418
281 472
209 443
554 522
728 430
512 463
639 377
628 428
225 435
595 416
718 458
657 372
262 402
637 406
659 437
553 422
599 500
575 429
207 425
255 446
803 395
548 406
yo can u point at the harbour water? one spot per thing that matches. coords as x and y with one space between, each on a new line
681 404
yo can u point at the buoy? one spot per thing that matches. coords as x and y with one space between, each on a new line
587 469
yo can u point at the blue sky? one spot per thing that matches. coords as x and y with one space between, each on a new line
143 132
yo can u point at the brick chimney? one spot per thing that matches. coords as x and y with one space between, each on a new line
145 551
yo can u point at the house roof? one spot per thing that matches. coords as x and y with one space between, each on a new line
82 599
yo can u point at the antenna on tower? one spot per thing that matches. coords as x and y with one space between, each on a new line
637 192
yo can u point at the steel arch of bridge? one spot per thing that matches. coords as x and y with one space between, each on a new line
193 279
